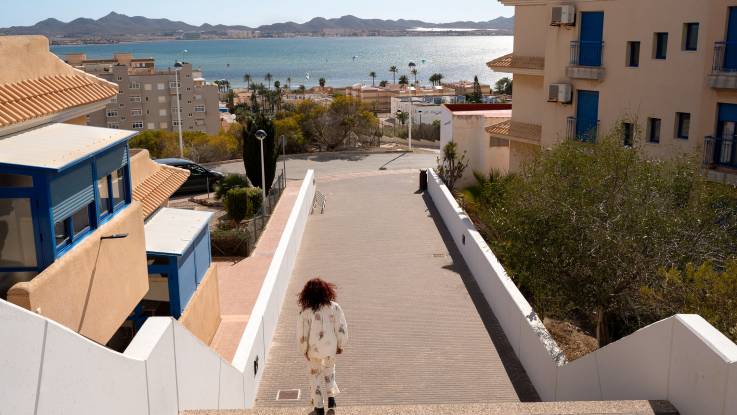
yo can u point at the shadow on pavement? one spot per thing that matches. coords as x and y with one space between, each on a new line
515 371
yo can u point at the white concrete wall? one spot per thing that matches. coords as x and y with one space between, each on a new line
682 358
46 368
256 339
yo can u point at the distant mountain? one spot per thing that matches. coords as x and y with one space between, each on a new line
115 24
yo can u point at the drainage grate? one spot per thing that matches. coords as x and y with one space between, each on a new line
287 395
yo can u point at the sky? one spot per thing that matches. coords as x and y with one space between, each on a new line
253 12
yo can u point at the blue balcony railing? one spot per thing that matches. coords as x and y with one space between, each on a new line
582 130
587 53
725 57
720 151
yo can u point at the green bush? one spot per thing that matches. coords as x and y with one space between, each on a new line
230 181
242 203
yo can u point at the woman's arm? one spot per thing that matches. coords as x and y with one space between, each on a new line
341 326
303 332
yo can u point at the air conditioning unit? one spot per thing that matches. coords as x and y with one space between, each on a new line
562 93
563 16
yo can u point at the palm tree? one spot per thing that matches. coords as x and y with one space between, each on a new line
383 84
268 78
321 82
302 90
372 74
247 80
414 72
277 84
403 80
394 70
439 77
433 78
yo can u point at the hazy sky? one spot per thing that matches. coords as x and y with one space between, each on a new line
253 12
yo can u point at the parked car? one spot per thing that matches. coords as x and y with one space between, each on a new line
201 179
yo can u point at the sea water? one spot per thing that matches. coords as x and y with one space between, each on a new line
342 61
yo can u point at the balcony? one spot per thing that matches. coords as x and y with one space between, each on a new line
523 65
720 159
582 130
586 61
724 68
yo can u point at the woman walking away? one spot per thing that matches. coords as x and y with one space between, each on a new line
322 333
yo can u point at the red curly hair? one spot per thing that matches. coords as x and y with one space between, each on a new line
316 293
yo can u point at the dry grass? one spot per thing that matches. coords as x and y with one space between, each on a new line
574 342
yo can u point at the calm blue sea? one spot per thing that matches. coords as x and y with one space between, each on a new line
456 57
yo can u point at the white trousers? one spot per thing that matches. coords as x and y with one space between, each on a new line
322 370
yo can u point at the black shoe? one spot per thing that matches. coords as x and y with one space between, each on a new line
319 411
331 402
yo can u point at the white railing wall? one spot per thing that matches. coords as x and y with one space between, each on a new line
682 359
45 368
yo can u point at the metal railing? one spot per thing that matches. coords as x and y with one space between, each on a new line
587 53
572 132
720 63
719 151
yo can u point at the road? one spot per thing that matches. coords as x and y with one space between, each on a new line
333 164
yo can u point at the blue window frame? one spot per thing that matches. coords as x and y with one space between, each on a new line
660 50
690 36
591 39
74 228
683 125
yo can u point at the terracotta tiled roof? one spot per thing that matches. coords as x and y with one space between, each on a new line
516 130
157 188
32 98
519 62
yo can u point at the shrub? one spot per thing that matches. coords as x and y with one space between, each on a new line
230 181
242 203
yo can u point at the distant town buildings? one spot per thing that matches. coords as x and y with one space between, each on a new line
667 79
379 98
147 97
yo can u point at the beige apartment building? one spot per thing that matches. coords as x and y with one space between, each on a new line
582 67
379 98
147 98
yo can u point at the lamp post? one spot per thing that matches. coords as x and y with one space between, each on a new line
177 68
420 112
261 135
284 156
412 65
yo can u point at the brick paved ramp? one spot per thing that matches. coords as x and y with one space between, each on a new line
539 408
416 335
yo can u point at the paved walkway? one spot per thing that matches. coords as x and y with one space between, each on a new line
419 332
239 283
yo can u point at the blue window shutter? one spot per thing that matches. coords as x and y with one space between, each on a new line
728 112
111 161
71 191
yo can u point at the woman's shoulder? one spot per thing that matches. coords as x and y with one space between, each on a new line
334 305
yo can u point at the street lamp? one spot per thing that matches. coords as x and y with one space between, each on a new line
261 135
420 112
412 65
177 68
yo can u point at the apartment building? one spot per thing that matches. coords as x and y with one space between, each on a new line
378 98
147 97
583 67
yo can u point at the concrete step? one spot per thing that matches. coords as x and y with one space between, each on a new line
511 408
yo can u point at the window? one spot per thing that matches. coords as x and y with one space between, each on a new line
151 125
174 84
175 123
113 125
15 180
161 86
683 124
162 112
61 233
691 36
103 189
120 78
118 183
198 97
135 85
628 134
199 122
653 130
661 46
137 125
633 54
163 125
136 112
69 230
17 244
114 100
174 109
135 98
112 113
147 87
161 99
199 108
